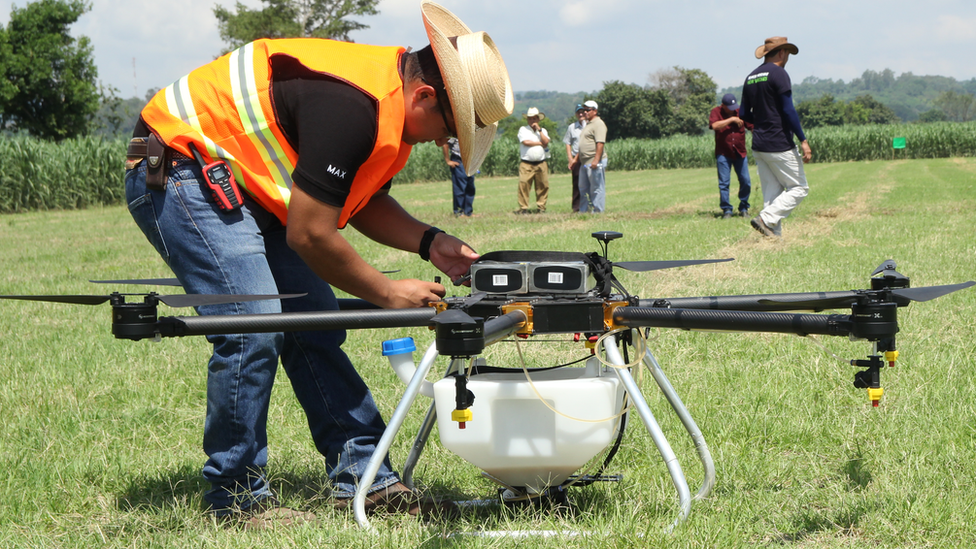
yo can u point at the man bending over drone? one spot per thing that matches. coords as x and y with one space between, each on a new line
313 131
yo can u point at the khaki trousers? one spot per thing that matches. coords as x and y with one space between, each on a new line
529 172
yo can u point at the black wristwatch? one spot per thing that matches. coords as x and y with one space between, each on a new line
426 241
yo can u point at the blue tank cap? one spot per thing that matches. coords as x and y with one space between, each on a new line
398 346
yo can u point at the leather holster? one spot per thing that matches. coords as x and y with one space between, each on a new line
157 160
156 155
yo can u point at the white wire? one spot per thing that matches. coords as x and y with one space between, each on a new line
826 350
525 370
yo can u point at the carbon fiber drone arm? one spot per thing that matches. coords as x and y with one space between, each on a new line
734 321
812 301
292 322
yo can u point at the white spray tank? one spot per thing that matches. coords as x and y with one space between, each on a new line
526 432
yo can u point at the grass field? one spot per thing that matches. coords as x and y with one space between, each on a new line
100 439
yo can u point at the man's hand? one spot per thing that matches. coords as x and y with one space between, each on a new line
807 153
412 293
726 122
452 164
452 256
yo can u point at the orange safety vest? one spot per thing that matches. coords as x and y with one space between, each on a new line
225 108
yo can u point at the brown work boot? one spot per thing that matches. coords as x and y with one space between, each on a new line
758 224
400 499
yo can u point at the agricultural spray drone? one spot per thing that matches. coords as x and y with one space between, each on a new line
532 430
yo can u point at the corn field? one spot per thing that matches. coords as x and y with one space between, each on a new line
39 175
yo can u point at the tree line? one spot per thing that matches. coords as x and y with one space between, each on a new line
49 85
49 82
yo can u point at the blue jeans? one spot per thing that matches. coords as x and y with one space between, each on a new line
244 252
592 186
463 191
725 166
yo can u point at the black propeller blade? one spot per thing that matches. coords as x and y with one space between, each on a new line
453 316
74 299
196 300
816 304
643 266
164 281
888 269
143 281
182 300
927 293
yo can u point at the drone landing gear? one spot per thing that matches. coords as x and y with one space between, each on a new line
554 498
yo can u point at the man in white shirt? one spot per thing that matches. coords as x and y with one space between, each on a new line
533 148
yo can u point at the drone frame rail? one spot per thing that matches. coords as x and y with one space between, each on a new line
508 324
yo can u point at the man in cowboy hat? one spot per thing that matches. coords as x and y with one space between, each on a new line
533 149
312 130
767 103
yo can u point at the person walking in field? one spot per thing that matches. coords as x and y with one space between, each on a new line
767 103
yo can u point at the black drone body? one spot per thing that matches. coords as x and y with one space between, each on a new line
555 292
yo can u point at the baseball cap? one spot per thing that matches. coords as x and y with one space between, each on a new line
729 101
579 107
590 104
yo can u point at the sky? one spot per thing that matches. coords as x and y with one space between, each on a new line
577 45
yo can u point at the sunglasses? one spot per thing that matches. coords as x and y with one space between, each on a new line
443 104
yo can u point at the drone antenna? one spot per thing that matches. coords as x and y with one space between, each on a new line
604 237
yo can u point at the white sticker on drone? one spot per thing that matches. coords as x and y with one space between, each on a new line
499 280
555 277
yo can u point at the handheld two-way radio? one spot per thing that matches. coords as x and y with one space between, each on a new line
221 182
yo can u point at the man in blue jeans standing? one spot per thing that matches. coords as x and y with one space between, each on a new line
593 161
730 152
462 183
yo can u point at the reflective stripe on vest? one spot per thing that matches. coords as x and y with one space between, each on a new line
225 107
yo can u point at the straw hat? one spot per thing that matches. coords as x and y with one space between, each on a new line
773 44
475 78
533 111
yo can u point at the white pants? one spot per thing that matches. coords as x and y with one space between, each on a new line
784 185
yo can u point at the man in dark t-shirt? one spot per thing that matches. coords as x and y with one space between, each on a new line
313 131
730 152
767 103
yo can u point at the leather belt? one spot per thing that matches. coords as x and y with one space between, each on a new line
158 158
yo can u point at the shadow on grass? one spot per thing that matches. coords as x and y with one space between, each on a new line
185 487
844 521
165 499
857 472
583 508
